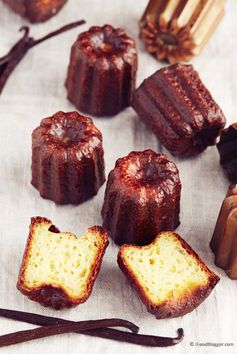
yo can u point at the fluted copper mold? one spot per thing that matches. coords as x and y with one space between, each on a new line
36 10
177 30
142 198
102 71
67 158
224 238
179 109
227 147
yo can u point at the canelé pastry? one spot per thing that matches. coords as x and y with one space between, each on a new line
67 158
36 10
224 238
142 198
58 269
179 109
177 30
232 190
169 276
227 147
102 71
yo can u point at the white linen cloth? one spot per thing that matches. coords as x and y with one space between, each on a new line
36 90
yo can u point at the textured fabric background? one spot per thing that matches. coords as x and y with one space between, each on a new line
36 90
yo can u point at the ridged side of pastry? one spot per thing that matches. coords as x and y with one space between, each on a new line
67 158
179 109
65 181
137 207
36 10
169 276
129 222
58 269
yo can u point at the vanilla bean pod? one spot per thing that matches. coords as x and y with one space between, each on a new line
42 320
140 339
107 333
20 48
56 329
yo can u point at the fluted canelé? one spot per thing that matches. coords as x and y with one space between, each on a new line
102 71
67 158
179 109
177 30
142 198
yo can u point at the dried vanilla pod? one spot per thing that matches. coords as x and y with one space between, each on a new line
177 30
85 327
21 47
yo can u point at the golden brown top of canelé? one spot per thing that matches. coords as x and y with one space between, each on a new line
70 132
146 173
107 42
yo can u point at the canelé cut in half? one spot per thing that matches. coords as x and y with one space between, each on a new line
179 109
102 71
142 197
36 10
67 158
58 269
169 276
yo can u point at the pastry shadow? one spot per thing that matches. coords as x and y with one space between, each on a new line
114 290
143 136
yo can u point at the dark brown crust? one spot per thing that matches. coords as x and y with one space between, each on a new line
179 109
227 148
67 170
135 210
55 296
171 308
102 73
36 10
